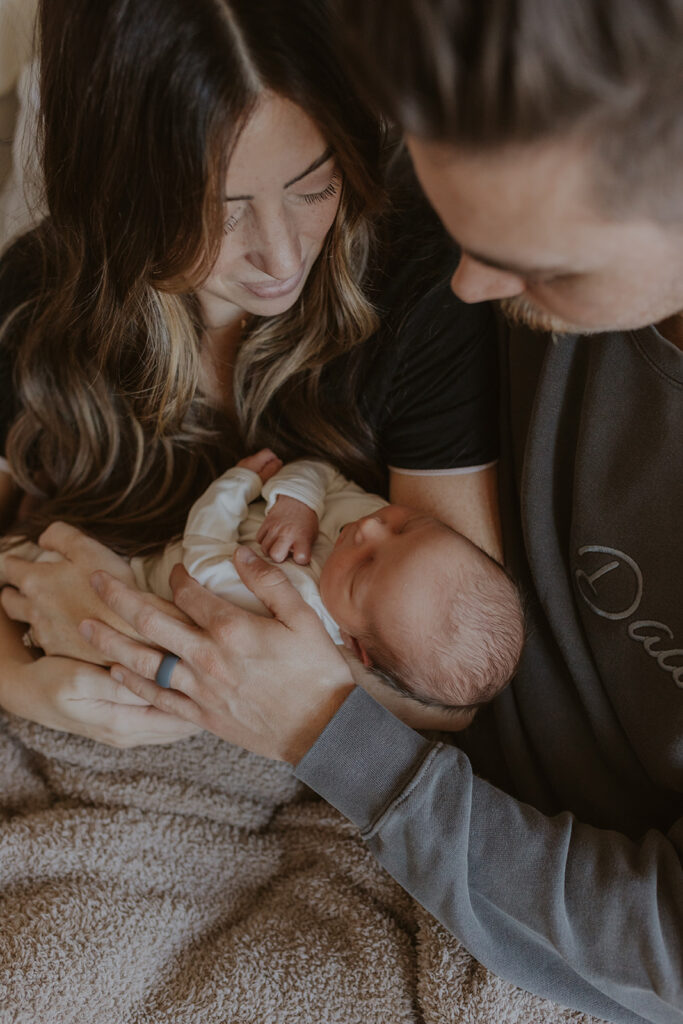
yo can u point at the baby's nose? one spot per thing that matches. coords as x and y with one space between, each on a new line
368 529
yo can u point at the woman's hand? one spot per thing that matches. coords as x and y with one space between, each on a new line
290 526
54 596
83 699
270 685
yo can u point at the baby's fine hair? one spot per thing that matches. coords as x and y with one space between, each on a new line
471 650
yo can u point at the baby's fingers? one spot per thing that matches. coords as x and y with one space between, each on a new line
266 537
281 546
301 550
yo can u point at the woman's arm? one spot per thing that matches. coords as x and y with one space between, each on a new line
467 501
62 692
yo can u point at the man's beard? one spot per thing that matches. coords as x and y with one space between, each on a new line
519 310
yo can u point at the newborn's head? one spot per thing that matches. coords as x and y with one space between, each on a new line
425 606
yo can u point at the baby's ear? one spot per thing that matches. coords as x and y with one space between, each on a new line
356 647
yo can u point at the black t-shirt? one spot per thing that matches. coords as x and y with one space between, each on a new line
430 384
427 379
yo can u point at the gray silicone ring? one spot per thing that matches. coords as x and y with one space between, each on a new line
165 671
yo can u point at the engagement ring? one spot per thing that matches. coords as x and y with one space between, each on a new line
28 640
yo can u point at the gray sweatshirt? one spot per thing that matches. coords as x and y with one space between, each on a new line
550 842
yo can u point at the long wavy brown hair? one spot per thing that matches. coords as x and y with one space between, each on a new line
141 106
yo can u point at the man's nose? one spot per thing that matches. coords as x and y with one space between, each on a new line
476 282
276 246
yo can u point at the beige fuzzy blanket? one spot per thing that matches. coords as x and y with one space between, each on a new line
199 884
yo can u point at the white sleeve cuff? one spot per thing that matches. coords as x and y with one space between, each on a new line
454 471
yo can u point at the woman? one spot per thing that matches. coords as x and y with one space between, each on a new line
215 276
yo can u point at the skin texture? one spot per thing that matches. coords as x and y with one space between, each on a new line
266 238
290 528
532 233
275 233
533 215
371 581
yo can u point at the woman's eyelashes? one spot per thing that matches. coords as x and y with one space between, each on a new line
326 193
329 192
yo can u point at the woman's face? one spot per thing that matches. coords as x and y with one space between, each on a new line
281 197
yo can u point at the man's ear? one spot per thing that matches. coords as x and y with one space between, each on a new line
356 647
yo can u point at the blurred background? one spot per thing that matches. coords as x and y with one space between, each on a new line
18 95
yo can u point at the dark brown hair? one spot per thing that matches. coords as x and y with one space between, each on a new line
141 105
517 71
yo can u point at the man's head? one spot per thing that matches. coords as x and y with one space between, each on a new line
426 607
549 137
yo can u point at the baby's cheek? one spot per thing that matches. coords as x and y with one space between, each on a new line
331 586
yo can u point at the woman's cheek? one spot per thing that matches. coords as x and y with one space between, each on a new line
319 220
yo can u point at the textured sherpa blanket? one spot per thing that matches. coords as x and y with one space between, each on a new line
199 884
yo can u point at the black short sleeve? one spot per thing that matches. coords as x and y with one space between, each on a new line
440 408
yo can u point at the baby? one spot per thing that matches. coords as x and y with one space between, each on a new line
413 599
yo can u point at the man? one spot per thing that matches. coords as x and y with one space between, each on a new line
549 137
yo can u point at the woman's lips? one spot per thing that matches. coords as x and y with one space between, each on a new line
278 288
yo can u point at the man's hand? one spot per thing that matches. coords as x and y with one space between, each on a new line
270 685
289 527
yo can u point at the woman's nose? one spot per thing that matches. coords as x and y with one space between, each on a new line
477 282
276 246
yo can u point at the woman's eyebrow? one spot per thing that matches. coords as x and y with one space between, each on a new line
311 167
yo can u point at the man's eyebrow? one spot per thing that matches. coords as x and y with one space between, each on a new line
318 162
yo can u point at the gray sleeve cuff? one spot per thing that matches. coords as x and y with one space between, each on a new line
364 758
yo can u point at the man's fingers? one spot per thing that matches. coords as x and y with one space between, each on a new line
149 621
270 585
138 658
200 604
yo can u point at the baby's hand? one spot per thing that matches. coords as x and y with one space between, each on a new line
289 526
265 463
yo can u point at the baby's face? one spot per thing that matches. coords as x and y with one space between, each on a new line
379 576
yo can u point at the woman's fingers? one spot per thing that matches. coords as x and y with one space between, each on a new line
67 540
17 570
148 620
114 691
71 543
169 701
15 604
